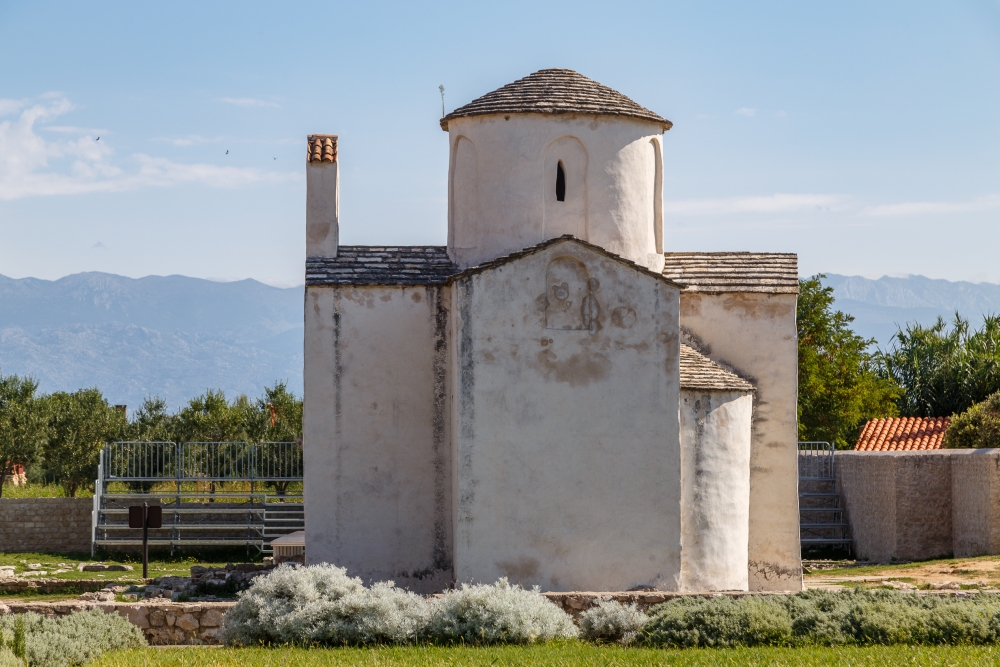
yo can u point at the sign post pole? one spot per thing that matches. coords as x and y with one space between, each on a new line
145 540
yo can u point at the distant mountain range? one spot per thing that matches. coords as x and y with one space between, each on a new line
878 306
170 336
176 337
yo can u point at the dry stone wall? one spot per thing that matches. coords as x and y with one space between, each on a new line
920 505
59 525
163 623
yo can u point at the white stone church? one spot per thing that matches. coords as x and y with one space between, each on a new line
555 396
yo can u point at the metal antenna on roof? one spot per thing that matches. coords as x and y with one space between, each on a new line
441 88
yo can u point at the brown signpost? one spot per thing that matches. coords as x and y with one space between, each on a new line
145 517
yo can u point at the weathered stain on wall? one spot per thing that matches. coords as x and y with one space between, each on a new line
550 468
375 428
754 335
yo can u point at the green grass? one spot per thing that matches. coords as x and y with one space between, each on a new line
44 491
174 567
30 596
889 569
569 653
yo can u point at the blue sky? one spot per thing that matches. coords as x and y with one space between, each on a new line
864 136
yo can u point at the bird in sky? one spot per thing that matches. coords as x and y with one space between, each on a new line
97 139
227 152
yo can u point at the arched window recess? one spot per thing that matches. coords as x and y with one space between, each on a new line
560 182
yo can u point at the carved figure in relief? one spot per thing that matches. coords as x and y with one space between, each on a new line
570 302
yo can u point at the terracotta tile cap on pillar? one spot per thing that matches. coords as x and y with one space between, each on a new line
322 148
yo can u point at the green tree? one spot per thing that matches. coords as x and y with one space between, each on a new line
152 423
943 371
80 424
978 427
23 424
277 417
839 387
211 418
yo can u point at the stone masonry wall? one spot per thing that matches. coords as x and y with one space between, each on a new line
921 505
163 623
59 525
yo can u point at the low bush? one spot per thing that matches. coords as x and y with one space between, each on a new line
861 617
501 613
611 621
68 641
977 427
8 659
321 605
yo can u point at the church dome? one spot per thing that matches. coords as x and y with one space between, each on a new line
556 91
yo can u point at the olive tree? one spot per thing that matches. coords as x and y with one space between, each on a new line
23 424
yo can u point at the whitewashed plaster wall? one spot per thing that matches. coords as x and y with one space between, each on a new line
377 460
755 334
715 482
502 185
322 208
567 454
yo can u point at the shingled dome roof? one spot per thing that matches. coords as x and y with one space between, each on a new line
552 91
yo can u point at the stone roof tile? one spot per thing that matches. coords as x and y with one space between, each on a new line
555 91
902 434
700 372
770 272
378 265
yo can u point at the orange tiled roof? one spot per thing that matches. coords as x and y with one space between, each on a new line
902 433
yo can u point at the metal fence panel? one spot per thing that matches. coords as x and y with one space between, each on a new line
815 460
202 461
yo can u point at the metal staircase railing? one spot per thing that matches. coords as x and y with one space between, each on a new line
212 493
821 518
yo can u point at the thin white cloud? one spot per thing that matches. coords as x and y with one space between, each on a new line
988 203
8 107
746 111
777 203
98 246
32 166
248 102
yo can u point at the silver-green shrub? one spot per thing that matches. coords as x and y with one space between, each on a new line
322 605
862 617
8 659
71 640
611 621
500 613
720 621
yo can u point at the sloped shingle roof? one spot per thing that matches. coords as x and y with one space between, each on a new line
555 91
423 265
902 433
700 372
382 265
771 272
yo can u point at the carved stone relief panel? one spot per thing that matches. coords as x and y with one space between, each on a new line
570 299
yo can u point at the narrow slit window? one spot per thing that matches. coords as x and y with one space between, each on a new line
560 182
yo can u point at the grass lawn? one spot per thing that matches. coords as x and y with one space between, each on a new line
570 653
52 563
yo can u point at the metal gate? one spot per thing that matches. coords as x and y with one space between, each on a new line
212 493
822 524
